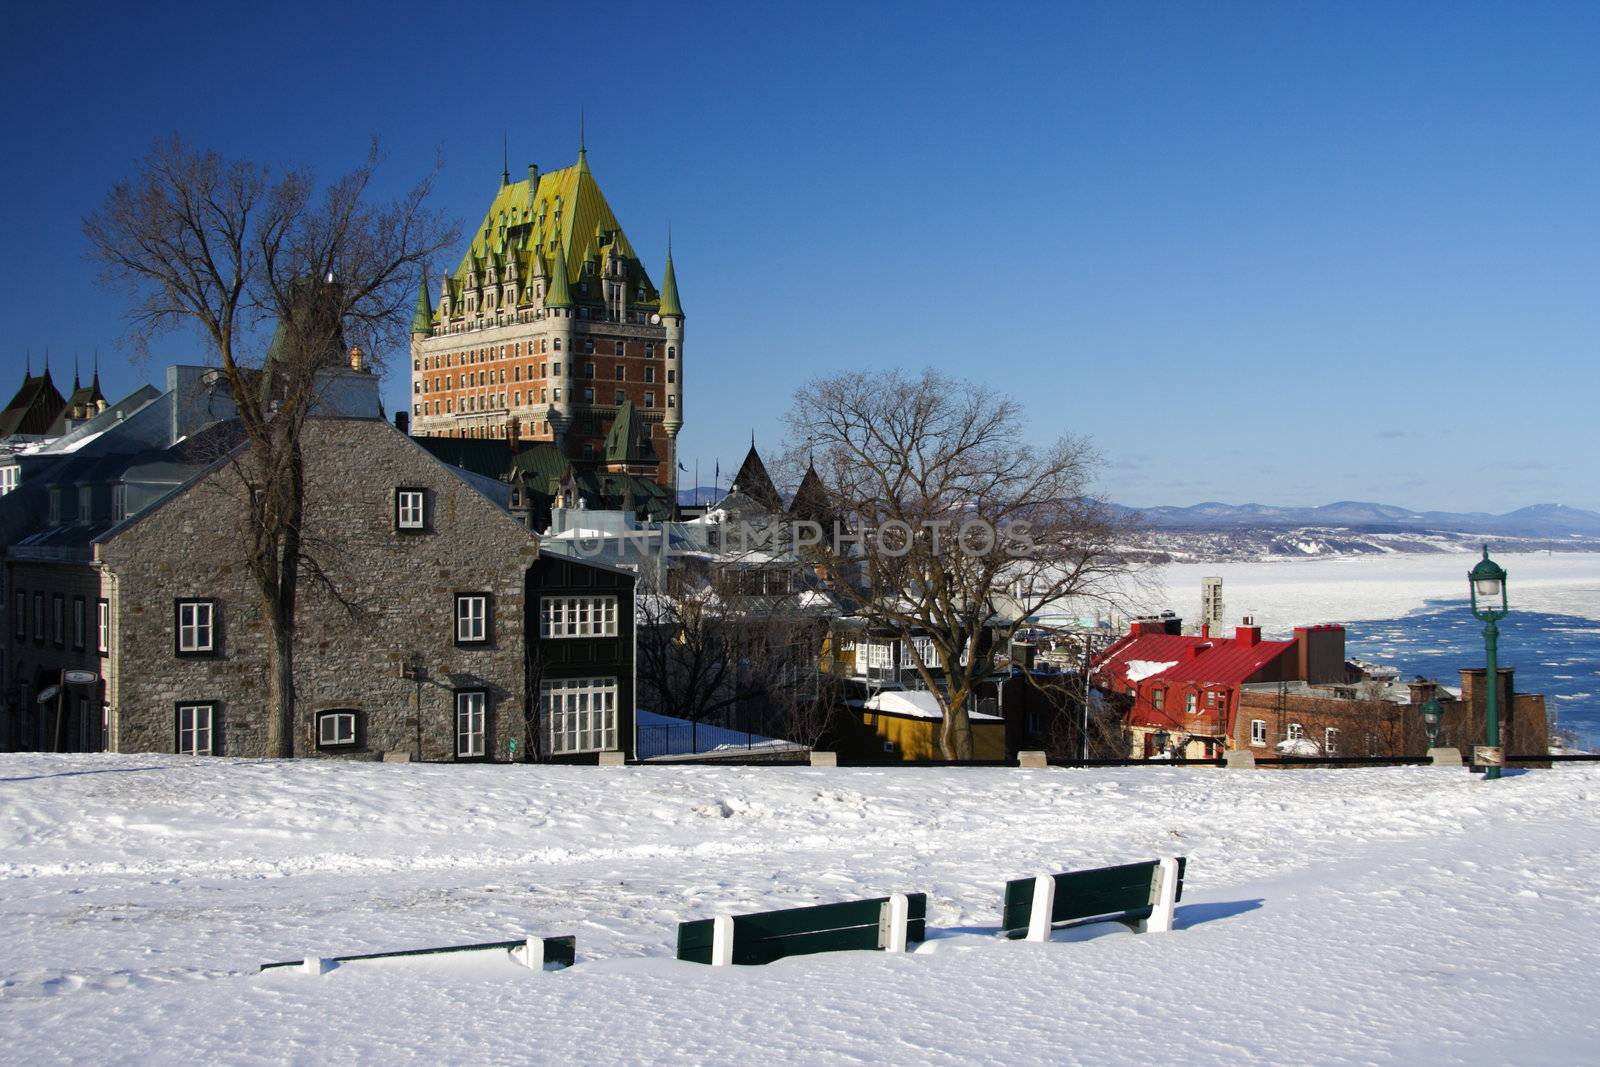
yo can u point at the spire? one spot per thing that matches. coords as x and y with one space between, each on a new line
559 294
505 159
28 373
47 363
422 322
583 148
77 378
670 304
96 383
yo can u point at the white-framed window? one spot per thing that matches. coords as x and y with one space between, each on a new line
578 616
1191 702
336 729
1330 741
1158 698
582 713
1258 732
410 509
197 631
471 723
85 504
196 728
472 618
874 655
119 502
103 631
8 478
1295 731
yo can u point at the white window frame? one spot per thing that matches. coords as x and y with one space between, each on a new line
581 712
8 478
197 729
103 636
1330 741
197 627
874 655
1191 703
562 617
1294 732
1258 732
472 618
410 509
343 728
472 720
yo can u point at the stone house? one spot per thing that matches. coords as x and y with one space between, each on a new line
412 564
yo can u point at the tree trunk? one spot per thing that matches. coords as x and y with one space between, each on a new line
955 733
280 685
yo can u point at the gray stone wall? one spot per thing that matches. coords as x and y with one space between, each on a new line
387 594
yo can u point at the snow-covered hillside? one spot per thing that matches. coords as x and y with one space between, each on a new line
1373 916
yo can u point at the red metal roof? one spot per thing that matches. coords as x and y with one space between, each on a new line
1195 660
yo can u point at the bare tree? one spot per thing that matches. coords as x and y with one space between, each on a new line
712 646
233 248
953 526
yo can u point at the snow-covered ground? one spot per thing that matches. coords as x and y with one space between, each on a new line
1289 593
1382 916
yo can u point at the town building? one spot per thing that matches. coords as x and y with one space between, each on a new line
550 328
1184 691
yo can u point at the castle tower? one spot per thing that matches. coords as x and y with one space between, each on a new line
551 323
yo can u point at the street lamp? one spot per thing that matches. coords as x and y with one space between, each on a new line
1489 605
1432 718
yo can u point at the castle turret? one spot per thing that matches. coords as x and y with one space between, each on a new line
422 321
558 305
671 312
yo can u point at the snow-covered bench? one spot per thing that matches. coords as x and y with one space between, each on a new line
889 923
539 953
1143 895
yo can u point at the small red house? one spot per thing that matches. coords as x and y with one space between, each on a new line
1189 688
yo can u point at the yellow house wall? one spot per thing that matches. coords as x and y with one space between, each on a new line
918 739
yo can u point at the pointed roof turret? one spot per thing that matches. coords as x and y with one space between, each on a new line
422 321
754 482
629 439
811 500
670 304
560 294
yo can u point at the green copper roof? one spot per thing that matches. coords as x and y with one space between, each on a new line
560 294
422 321
670 304
529 221
629 439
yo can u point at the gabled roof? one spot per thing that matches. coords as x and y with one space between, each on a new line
629 439
811 501
1216 660
34 408
488 456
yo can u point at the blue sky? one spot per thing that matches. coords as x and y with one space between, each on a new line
1289 253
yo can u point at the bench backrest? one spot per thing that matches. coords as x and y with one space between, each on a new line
772 935
1124 892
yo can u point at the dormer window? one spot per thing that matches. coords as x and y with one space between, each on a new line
85 504
119 502
55 507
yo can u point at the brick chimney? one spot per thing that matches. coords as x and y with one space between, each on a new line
1473 693
1422 690
1248 633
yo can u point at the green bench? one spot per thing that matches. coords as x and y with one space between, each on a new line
538 953
888 923
1143 895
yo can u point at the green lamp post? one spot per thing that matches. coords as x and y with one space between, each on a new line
1488 583
1432 718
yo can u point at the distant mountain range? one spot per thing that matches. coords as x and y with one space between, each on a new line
1537 520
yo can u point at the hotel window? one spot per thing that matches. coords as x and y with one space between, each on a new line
472 618
196 627
85 505
1258 732
621 348
649 400
622 372
410 509
650 374
471 722
38 618
55 507
672 352
196 729
558 394
516 373
557 347
672 401
58 619
336 729
556 370
103 628
1330 741
19 614
650 350
672 375
80 623
621 398
588 345
578 616
582 713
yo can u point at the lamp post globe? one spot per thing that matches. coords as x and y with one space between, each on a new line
1487 584
1432 717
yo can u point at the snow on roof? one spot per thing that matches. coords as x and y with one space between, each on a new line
915 704
1140 669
